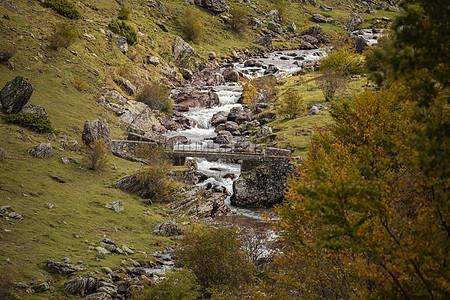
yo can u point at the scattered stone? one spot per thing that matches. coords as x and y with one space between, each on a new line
314 110
15 94
41 150
15 215
152 60
219 118
95 131
275 27
64 160
126 249
213 6
271 69
265 130
22 285
98 296
50 205
57 178
121 43
230 74
93 71
35 110
168 229
317 32
126 85
42 287
321 19
188 99
106 270
2 154
117 206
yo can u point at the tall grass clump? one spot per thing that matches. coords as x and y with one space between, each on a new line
124 12
64 7
238 21
124 29
96 155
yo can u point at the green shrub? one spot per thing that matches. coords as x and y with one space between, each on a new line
192 26
39 124
176 285
63 36
217 258
124 12
124 29
64 8
343 60
156 96
293 105
155 175
238 21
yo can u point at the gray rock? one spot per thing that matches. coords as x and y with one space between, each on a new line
353 22
126 86
255 22
274 15
126 249
121 43
64 268
223 139
360 44
321 19
265 130
34 109
168 229
181 49
15 94
117 206
186 73
22 285
317 32
230 75
275 27
265 41
310 39
41 150
5 55
80 286
213 6
263 185
185 100
271 69
152 60
314 110
42 287
64 160
98 296
219 118
2 154
14 215
95 131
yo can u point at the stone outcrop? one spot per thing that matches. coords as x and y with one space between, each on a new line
80 286
133 184
181 49
262 183
41 150
214 6
15 94
2 154
189 99
117 206
121 43
95 131
321 19
169 228
64 268
359 43
238 115
230 75
219 118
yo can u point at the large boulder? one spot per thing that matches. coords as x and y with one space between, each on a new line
219 118
214 6
317 32
263 185
265 41
138 115
238 115
275 27
189 99
15 94
359 43
95 131
117 206
41 150
353 22
181 49
80 286
230 74
321 19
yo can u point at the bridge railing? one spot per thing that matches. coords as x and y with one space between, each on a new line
208 146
